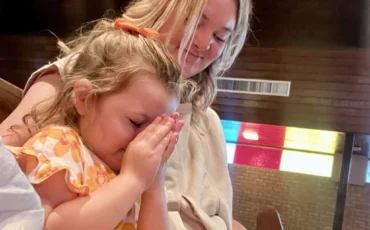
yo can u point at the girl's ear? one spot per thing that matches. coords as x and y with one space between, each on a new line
81 90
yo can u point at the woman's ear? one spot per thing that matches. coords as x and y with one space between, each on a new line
81 90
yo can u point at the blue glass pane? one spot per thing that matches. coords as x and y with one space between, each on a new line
231 130
368 172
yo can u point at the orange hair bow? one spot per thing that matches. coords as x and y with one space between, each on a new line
128 26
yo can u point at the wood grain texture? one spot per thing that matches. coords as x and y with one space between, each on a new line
310 23
10 96
320 46
330 89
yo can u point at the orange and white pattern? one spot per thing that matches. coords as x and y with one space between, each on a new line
58 148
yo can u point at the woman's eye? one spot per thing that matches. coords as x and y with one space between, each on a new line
219 39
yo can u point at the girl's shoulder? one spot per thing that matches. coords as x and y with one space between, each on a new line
60 148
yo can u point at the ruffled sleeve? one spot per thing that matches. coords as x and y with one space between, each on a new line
56 149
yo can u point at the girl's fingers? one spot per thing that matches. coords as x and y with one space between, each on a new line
178 126
170 147
161 147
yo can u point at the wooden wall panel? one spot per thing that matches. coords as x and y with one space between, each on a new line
330 89
315 44
10 96
21 55
62 17
27 44
309 23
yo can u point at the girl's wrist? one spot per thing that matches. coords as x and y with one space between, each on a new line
130 180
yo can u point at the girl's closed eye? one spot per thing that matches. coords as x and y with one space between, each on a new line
136 124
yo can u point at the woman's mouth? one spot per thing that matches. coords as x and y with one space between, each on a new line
191 56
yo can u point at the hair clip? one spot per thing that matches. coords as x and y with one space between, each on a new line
128 26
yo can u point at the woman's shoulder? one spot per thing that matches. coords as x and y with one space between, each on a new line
212 119
211 114
59 67
208 122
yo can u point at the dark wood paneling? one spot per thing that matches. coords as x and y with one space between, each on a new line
309 23
27 44
60 16
330 89
311 43
21 55
10 96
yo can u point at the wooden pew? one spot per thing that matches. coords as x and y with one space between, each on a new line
269 219
10 96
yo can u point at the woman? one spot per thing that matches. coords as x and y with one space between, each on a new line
206 36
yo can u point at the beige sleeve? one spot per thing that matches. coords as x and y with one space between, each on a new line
210 204
220 171
198 186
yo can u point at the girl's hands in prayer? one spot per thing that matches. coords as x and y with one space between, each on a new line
149 150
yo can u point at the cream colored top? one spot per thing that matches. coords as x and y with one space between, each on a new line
198 186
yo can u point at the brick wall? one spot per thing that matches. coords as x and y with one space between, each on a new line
357 213
304 202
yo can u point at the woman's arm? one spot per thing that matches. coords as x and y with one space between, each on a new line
45 87
101 210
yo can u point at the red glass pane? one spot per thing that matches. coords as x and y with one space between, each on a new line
257 156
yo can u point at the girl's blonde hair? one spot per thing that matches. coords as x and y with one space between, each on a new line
154 13
109 58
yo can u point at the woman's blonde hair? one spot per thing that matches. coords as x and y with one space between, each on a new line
109 58
154 13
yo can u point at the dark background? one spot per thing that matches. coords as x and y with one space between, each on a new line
320 46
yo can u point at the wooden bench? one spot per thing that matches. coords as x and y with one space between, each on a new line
10 96
269 219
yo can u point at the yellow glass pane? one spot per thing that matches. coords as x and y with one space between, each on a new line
311 140
307 163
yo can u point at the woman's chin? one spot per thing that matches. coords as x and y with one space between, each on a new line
185 75
188 72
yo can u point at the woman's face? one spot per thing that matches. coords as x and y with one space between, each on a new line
215 27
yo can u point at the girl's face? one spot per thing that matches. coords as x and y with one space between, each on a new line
215 27
115 120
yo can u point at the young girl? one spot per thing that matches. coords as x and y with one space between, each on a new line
104 140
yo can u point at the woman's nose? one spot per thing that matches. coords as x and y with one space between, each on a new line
202 41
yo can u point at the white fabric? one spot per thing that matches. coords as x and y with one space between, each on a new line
20 206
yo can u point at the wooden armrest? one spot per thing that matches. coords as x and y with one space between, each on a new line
10 95
269 219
